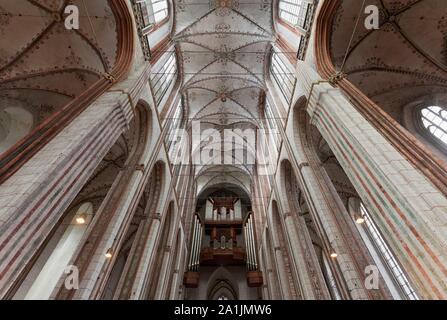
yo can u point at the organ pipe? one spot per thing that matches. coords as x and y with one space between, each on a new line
251 244
250 266
255 262
209 210
196 245
237 210
248 245
194 259
191 256
199 245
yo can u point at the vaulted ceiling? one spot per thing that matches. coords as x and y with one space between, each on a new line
223 45
403 61
44 66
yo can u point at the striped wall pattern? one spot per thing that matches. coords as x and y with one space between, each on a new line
324 212
409 210
34 199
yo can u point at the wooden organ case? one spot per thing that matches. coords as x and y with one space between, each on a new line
223 237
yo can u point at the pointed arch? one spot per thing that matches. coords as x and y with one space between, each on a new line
222 284
41 133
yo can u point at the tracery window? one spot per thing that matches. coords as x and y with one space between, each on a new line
153 11
174 124
434 119
162 80
148 15
294 12
283 76
387 255
58 253
273 129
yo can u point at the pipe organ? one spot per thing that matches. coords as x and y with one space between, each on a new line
249 244
223 233
194 259
254 276
225 238
191 277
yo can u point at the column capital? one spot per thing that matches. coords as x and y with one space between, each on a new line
288 214
156 216
302 165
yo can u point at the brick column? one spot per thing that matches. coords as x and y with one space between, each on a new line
337 236
272 280
330 217
311 281
140 283
409 210
35 197
278 257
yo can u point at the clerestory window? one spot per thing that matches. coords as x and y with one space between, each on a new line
153 11
387 255
162 80
434 119
282 75
294 12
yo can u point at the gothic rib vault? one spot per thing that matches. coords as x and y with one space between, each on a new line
402 62
223 47
32 74
49 74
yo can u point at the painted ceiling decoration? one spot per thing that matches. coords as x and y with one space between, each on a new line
31 74
403 61
224 46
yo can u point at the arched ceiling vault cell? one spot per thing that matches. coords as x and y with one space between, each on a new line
44 65
224 45
53 73
404 60
219 175
229 187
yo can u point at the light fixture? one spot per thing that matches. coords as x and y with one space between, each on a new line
332 253
109 253
359 219
81 219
